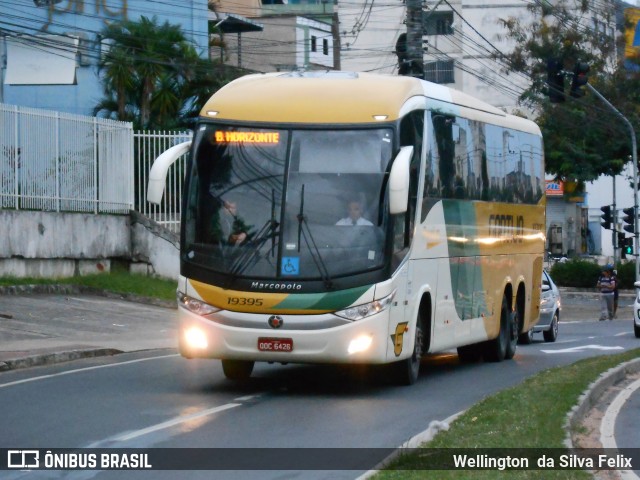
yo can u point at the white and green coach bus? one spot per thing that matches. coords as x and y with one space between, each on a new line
276 265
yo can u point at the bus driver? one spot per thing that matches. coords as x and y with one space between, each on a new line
354 209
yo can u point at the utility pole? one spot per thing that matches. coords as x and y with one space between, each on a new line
614 225
414 38
634 156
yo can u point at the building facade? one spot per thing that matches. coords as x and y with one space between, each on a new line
49 49
286 36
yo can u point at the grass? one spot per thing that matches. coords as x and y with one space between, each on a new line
529 415
116 282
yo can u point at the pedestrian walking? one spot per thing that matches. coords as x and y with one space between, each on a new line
607 286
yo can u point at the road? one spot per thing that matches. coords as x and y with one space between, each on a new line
158 399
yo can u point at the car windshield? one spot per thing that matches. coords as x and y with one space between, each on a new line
288 204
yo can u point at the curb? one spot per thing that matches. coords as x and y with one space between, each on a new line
55 357
594 392
62 289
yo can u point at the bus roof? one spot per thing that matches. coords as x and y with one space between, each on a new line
335 97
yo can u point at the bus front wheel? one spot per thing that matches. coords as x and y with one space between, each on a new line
237 369
406 371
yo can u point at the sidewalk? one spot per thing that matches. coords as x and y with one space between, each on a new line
63 323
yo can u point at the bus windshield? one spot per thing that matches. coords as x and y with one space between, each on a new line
287 204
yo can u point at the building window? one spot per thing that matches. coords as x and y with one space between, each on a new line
314 41
440 71
438 23
325 46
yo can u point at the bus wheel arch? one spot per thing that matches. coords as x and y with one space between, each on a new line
425 316
406 372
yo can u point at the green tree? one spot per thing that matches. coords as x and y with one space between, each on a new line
583 137
153 77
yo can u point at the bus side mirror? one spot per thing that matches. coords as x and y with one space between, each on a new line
399 181
159 169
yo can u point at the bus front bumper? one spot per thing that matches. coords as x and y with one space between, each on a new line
362 341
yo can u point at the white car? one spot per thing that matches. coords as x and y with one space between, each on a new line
636 311
550 307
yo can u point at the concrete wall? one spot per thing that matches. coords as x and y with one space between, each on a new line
50 244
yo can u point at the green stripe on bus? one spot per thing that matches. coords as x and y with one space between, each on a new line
464 266
460 219
323 301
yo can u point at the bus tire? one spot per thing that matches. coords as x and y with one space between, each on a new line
237 369
512 344
405 372
496 350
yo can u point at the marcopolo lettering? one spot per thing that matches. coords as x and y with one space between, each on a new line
276 286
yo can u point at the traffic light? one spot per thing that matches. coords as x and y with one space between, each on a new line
555 80
606 217
629 219
627 248
622 242
401 52
579 79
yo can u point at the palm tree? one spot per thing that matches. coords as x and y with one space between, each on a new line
146 72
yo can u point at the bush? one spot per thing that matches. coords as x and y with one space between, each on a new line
626 274
576 273
584 274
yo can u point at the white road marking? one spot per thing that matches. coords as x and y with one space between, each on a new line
176 421
608 424
581 348
78 370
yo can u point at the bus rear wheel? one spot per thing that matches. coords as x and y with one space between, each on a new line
512 334
237 369
496 350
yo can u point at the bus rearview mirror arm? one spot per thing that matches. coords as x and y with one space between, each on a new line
159 169
399 181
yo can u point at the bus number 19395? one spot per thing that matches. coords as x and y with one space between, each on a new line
244 301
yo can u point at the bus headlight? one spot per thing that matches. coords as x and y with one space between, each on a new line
359 344
195 338
361 311
194 305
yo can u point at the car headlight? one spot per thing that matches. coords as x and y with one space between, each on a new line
196 306
546 302
367 309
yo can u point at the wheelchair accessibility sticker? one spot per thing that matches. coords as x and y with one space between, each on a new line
290 266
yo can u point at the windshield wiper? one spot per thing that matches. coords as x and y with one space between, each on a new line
251 251
316 256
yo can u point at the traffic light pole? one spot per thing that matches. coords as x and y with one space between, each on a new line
634 156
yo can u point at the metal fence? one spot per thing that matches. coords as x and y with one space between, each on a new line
148 146
65 163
